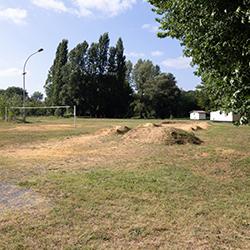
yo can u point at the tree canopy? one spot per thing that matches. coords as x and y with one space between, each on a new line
216 35
102 83
93 77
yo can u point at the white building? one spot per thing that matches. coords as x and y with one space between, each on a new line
220 116
198 115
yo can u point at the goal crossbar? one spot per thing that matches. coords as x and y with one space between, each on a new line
41 107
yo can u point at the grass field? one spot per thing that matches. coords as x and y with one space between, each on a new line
83 188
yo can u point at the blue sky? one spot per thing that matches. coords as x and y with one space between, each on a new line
27 25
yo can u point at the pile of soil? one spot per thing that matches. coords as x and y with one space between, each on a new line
161 135
122 130
149 125
119 130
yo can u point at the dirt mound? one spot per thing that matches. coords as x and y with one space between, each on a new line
196 128
149 125
120 130
161 135
168 122
185 125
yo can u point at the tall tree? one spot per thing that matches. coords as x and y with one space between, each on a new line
120 61
162 96
144 71
103 47
216 35
54 83
74 89
103 82
93 78
124 90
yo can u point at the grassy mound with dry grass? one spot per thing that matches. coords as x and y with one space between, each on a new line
159 134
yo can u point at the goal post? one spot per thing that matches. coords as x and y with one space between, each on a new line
24 109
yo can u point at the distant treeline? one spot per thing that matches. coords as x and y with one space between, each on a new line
99 80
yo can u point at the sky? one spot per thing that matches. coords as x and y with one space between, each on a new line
28 25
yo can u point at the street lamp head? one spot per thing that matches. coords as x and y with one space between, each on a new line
40 50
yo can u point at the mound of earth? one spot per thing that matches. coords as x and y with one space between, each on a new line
161 135
120 130
196 128
149 125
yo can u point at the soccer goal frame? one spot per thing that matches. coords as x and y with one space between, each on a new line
23 109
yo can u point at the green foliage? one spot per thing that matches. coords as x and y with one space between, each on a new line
91 77
187 102
216 35
157 94
14 91
101 83
54 82
144 73
203 98
37 96
162 94
11 97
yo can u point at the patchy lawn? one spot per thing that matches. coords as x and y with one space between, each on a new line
85 188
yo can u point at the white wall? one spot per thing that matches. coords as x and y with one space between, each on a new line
223 117
197 116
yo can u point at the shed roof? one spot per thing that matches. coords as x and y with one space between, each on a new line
198 111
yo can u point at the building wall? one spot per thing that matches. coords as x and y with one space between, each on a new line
223 117
197 116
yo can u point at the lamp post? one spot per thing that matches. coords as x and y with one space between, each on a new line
24 74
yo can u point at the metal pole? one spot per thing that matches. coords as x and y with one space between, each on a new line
74 116
24 73
6 114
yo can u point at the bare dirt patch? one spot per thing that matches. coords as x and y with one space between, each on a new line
115 144
38 128
16 198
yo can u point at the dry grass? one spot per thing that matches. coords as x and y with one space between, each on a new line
94 189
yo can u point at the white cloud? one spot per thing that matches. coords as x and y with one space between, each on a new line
135 54
157 53
177 63
150 27
104 7
84 8
55 5
10 72
17 16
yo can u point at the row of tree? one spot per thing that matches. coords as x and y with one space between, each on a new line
101 83
92 77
